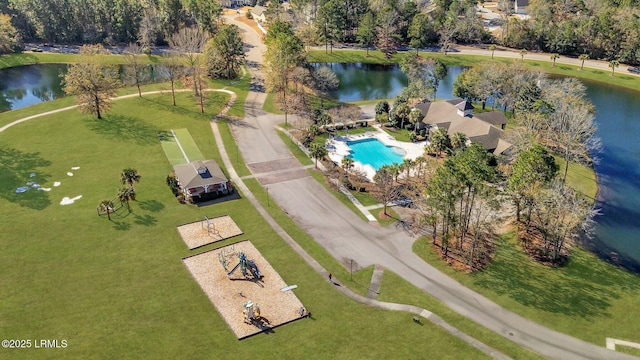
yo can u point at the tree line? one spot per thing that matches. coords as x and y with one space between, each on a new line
110 22
598 29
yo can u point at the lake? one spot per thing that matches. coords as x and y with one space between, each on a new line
371 81
28 85
32 84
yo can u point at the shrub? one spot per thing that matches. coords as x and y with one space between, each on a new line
382 118
382 107
172 182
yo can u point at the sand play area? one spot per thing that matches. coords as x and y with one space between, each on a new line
207 231
230 293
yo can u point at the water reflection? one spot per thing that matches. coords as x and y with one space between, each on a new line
27 85
360 81
32 84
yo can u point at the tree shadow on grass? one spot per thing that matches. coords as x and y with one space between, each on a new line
16 168
145 220
192 108
151 205
124 128
165 105
583 288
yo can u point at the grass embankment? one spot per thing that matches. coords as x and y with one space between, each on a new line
376 57
118 288
588 298
30 58
239 86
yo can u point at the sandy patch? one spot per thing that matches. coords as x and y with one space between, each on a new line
56 184
70 173
228 295
68 201
200 233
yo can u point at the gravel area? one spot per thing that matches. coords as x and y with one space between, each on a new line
229 293
201 233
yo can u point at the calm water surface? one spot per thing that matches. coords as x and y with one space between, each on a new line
32 84
370 81
28 85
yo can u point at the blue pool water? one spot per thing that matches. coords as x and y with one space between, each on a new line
374 153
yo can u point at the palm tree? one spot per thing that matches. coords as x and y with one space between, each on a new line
129 176
492 47
613 64
347 164
554 57
317 151
125 195
407 164
414 118
402 111
523 52
395 171
419 161
106 206
583 57
458 141
440 140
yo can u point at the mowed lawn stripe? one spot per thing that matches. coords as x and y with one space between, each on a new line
172 151
188 145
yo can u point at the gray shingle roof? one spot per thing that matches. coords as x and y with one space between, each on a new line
478 128
199 174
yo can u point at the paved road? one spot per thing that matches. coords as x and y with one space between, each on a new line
345 236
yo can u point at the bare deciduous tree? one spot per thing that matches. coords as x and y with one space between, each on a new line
172 70
190 41
135 71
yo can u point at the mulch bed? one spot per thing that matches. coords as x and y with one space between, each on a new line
204 232
229 293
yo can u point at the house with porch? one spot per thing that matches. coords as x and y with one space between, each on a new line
202 179
457 115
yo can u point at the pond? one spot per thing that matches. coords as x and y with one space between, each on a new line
32 84
28 85
370 81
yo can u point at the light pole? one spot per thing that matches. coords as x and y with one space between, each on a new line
351 275
268 202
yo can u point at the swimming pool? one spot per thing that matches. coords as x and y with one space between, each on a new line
372 152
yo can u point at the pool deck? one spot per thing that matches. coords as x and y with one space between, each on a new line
338 148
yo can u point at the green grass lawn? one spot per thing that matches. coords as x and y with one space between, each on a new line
188 145
118 289
588 299
172 151
29 58
580 177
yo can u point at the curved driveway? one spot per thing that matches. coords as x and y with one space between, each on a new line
345 236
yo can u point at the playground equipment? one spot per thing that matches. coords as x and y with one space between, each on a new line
247 267
223 256
251 312
211 226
